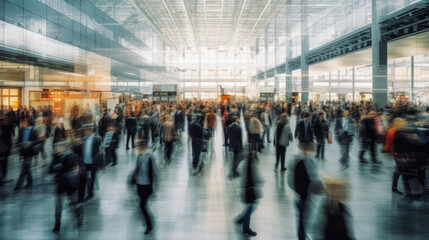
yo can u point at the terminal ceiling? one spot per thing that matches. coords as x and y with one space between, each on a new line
211 24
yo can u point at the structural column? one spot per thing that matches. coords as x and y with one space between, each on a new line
288 72
379 57
304 50
412 80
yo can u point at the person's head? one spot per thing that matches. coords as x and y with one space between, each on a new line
87 129
111 126
132 114
321 115
25 123
267 109
336 189
306 147
399 123
284 119
235 119
306 116
372 114
346 114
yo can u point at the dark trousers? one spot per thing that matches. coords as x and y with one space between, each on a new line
90 172
144 192
345 141
131 135
301 206
168 149
235 163
25 171
225 134
77 209
280 156
3 164
111 156
245 217
320 147
153 134
196 151
368 143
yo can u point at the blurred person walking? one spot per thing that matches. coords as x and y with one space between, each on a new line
266 122
345 131
111 143
168 135
7 132
131 126
303 174
304 129
91 155
65 165
321 132
282 137
143 177
251 194
370 131
336 221
196 132
29 144
235 136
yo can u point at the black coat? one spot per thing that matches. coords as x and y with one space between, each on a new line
131 124
300 131
235 137
321 129
369 130
196 131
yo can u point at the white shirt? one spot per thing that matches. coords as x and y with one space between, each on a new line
345 120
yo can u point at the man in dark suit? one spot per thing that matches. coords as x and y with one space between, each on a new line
304 129
6 133
197 133
344 131
27 141
235 144
131 126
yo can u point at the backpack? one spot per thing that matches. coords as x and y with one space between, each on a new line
301 180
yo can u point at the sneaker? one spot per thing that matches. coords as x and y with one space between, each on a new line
250 233
363 161
283 170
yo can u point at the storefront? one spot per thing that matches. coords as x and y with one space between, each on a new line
164 93
10 97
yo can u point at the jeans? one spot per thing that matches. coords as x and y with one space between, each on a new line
144 192
301 206
196 151
280 156
320 147
266 132
25 172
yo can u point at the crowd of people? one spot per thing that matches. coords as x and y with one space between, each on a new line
86 142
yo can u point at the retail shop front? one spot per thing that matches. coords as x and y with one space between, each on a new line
10 97
164 93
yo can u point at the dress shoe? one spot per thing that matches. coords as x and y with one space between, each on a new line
56 228
283 170
148 230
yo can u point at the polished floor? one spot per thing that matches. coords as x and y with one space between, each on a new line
204 206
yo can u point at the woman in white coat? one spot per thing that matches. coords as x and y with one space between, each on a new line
282 137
